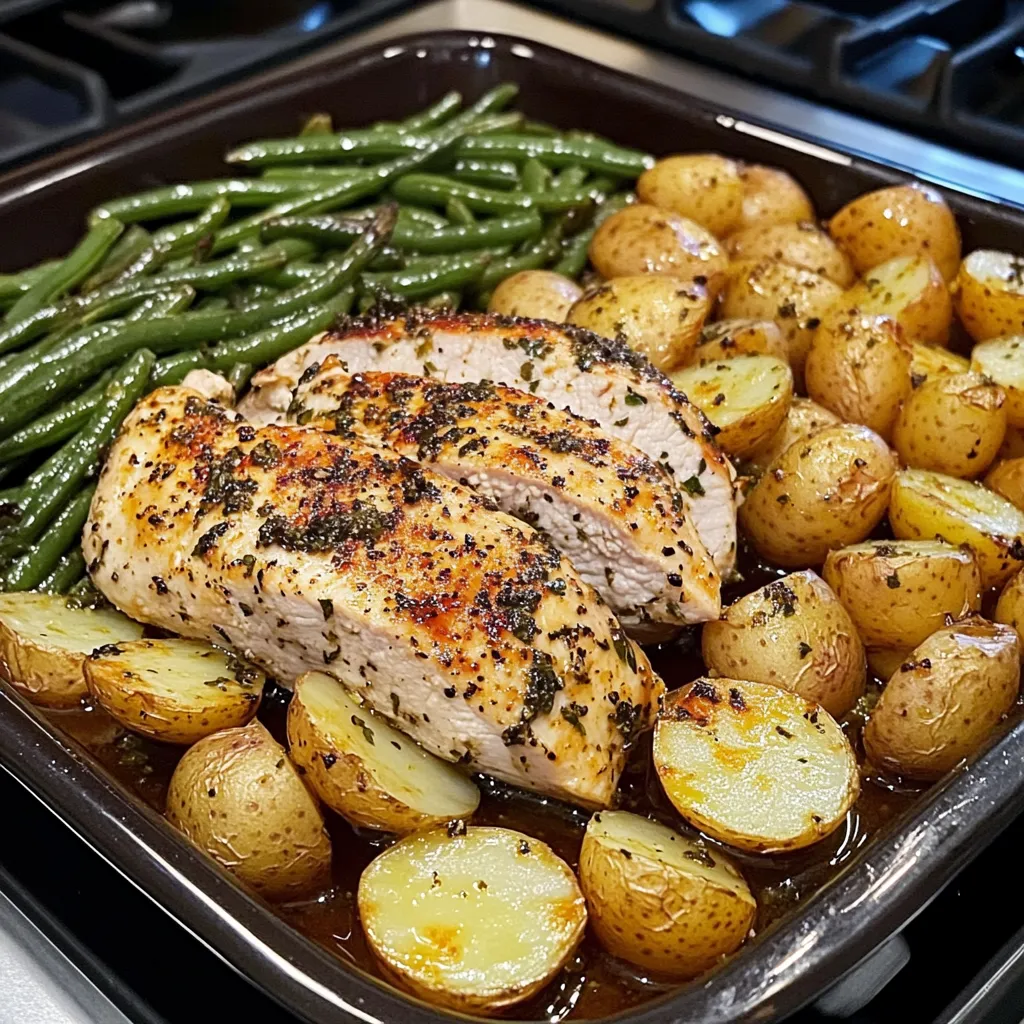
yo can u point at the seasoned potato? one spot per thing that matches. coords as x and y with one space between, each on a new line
941 704
826 492
660 900
659 315
726 339
859 367
746 398
1013 444
753 765
704 187
174 690
989 293
364 769
792 633
475 919
1010 607
926 505
802 244
772 196
953 424
803 419
642 239
238 797
904 220
44 644
1002 360
899 592
1006 477
883 661
930 361
536 294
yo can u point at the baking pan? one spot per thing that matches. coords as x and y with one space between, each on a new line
878 889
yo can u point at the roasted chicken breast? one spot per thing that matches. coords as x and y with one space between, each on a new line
300 550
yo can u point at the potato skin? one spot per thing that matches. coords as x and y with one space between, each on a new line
47 677
772 196
883 661
660 315
903 220
829 491
705 187
803 419
931 361
792 633
727 339
953 424
802 244
940 706
1010 607
900 592
535 294
1006 478
989 293
238 797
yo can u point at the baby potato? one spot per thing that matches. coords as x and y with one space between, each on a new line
803 419
726 339
177 691
660 900
1002 360
1013 444
926 505
746 398
535 294
900 592
1010 607
930 361
370 773
953 424
859 367
659 315
754 766
989 294
641 239
704 187
792 633
1006 478
772 196
941 704
883 661
476 919
238 797
826 492
801 244
903 220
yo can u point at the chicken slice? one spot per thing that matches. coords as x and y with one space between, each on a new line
598 379
459 624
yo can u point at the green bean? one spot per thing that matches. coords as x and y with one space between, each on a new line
572 177
173 369
175 299
444 300
433 115
14 285
68 571
515 227
540 128
539 254
536 177
574 250
325 230
317 124
421 215
317 174
437 190
557 151
69 273
126 250
215 275
238 376
458 213
418 283
492 173
180 238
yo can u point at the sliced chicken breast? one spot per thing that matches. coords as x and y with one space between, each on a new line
459 624
598 379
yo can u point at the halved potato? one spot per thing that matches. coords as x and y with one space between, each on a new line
1002 360
174 690
368 772
802 244
746 398
727 339
931 361
940 705
476 919
804 418
44 644
990 294
753 765
772 196
926 505
1010 607
1006 477
535 294
238 797
660 900
705 187
900 592
883 661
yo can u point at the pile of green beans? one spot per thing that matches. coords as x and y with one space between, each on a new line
231 273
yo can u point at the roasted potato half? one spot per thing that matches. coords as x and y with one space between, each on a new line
705 187
727 339
800 244
990 294
660 900
44 644
926 505
1006 478
753 765
746 398
238 797
535 294
1010 607
476 919
803 419
826 492
900 592
1002 360
177 691
930 361
772 196
940 705
368 772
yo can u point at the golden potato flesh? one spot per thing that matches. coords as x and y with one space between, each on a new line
535 294
1002 361
802 244
904 220
900 592
930 361
772 196
727 339
364 769
238 797
44 644
792 633
754 766
1010 607
476 919
1006 478
941 705
990 294
804 418
951 424
659 315
704 187
926 505
660 900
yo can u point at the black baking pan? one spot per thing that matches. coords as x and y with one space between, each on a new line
879 888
